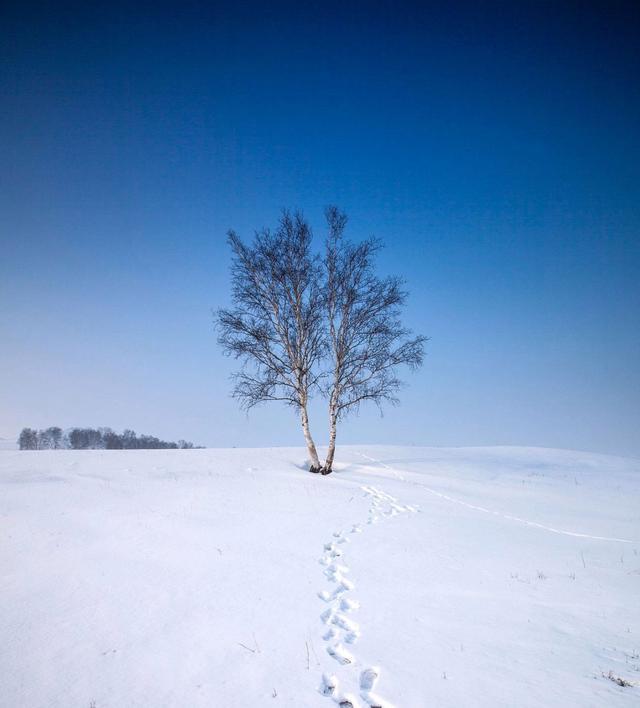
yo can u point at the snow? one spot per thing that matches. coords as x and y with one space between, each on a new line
8 444
409 577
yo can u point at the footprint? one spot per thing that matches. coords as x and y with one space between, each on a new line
329 685
344 623
374 701
334 573
327 616
331 550
369 678
347 605
335 567
348 701
340 654
344 586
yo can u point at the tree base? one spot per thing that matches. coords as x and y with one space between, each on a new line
320 470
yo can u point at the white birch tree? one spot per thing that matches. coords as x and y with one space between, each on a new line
367 340
276 325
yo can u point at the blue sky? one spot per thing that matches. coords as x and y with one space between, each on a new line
495 149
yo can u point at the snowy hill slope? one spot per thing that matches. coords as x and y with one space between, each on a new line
410 577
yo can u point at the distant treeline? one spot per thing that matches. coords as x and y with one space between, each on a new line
94 439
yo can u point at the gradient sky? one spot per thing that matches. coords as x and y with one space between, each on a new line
494 148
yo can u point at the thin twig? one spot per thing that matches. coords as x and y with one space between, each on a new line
253 651
307 645
313 649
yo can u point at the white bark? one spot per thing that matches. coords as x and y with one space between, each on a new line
311 447
333 425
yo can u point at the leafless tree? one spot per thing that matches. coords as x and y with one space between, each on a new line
44 440
367 340
28 439
55 436
276 325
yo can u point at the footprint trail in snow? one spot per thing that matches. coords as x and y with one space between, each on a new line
342 631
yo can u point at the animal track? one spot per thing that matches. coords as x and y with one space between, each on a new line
341 629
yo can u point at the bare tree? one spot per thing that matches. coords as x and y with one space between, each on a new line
111 439
78 439
28 439
44 440
276 326
55 436
367 340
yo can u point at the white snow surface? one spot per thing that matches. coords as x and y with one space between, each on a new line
409 577
8 444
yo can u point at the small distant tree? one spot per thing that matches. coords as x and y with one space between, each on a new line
55 437
44 441
94 439
78 439
110 439
368 342
275 328
28 439
148 442
129 440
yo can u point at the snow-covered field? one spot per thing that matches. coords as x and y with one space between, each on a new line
8 444
440 577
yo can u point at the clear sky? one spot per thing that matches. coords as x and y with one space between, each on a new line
494 148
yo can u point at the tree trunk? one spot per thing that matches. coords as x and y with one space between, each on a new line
333 424
311 447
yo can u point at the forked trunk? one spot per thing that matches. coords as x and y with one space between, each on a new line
311 447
